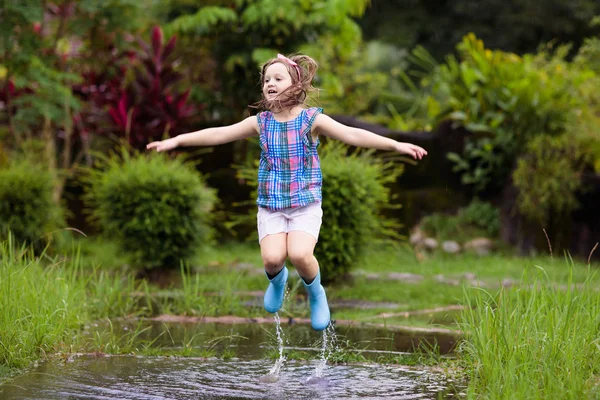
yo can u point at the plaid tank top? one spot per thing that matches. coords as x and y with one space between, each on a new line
289 170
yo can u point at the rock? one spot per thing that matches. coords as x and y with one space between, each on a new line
416 237
405 277
448 281
450 246
482 246
361 273
507 282
469 276
430 243
477 283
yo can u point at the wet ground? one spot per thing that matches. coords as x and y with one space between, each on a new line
160 378
247 372
251 340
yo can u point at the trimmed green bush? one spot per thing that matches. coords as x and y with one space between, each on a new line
157 209
354 197
26 205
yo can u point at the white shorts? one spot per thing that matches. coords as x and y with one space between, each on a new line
306 219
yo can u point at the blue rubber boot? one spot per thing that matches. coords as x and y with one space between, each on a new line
319 309
276 291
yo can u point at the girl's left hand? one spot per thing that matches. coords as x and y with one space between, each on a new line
412 150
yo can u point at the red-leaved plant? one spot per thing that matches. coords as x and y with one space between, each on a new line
149 108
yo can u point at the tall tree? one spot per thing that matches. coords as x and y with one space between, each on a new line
230 38
518 26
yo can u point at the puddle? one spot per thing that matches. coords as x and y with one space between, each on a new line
247 372
162 378
251 340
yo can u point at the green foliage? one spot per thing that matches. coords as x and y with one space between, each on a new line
19 13
205 19
157 209
479 218
50 99
240 35
584 122
482 215
26 205
116 16
36 55
548 175
38 306
512 25
539 339
504 100
47 300
347 85
354 197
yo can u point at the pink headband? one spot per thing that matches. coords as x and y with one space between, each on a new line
292 63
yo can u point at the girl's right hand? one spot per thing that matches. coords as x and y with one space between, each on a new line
163 145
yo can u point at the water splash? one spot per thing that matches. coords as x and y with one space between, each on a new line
328 347
273 375
166 378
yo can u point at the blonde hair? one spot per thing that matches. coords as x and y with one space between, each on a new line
302 76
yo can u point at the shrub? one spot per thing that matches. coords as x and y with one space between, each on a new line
26 205
482 215
157 209
354 197
548 177
504 100
479 218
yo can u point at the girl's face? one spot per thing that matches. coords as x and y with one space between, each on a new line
276 80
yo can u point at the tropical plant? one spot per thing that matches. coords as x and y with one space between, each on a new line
42 48
233 37
150 108
503 100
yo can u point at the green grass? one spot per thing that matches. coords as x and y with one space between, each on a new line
534 341
213 289
39 304
536 336
45 302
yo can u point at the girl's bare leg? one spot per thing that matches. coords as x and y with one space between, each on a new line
300 248
273 249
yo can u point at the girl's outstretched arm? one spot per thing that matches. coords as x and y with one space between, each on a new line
362 138
209 136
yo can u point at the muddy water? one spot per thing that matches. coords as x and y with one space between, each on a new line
161 378
252 340
241 377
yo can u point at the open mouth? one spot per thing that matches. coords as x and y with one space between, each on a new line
272 91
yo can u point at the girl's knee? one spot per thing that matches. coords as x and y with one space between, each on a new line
273 260
301 258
